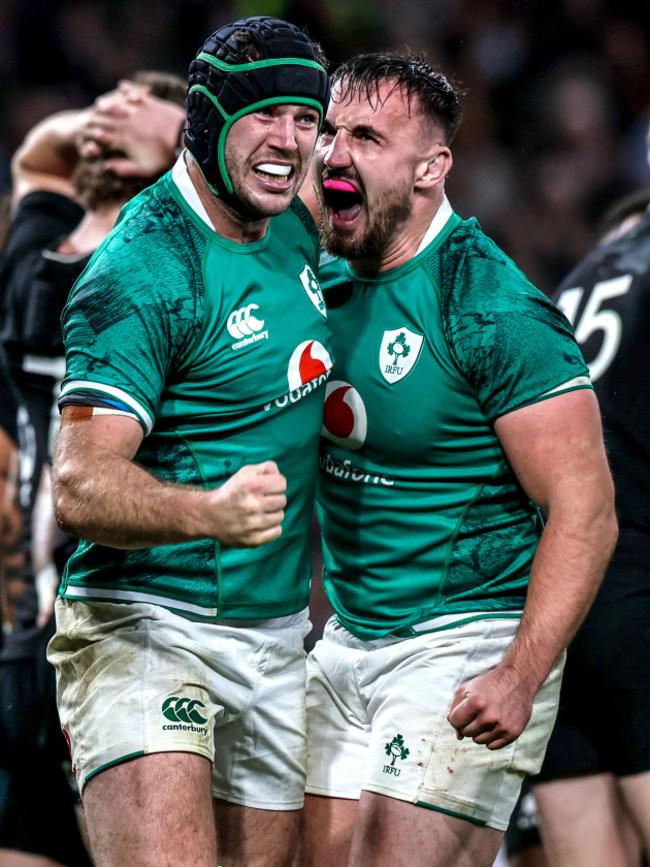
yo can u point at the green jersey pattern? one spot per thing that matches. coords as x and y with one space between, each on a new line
420 512
221 351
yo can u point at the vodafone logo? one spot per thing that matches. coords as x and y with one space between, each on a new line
345 421
308 361
309 367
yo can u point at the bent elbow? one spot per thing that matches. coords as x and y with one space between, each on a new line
64 520
67 511
604 525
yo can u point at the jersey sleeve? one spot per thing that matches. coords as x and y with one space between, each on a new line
130 322
513 345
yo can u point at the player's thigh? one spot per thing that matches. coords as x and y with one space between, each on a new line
582 822
389 831
153 811
414 753
250 837
328 825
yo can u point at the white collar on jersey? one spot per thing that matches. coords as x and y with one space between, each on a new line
436 225
181 178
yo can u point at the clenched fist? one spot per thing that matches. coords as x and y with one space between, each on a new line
248 510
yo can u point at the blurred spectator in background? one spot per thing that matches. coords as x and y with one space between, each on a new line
557 91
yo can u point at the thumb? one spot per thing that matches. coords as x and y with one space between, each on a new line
274 481
268 468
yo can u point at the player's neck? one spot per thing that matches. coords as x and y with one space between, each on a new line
225 220
91 231
404 245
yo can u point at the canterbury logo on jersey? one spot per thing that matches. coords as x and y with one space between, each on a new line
245 327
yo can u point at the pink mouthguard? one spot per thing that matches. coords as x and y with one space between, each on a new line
334 184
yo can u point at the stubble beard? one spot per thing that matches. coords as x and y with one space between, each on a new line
384 223
252 206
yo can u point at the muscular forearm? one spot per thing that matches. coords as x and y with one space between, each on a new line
101 495
123 506
48 156
567 570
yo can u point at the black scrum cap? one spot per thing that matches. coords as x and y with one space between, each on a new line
224 84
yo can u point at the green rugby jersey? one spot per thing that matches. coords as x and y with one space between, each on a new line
420 513
221 351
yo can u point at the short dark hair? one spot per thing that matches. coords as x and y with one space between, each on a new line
425 88
247 48
163 85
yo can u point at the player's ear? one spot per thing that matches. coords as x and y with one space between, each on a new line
433 168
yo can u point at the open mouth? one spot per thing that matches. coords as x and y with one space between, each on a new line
343 199
274 172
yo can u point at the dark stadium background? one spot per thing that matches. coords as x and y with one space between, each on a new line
557 100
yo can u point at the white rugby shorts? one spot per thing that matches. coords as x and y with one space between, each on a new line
134 679
377 721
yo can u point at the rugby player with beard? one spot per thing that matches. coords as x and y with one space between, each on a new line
464 498
70 178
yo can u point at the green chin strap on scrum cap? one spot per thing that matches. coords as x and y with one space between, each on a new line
224 84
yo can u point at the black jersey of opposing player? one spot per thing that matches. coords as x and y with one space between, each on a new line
34 284
34 280
607 298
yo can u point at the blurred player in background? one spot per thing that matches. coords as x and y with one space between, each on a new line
70 178
596 775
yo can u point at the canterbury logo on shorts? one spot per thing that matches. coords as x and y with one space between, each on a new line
184 710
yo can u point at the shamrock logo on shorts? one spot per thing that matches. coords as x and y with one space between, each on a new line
396 749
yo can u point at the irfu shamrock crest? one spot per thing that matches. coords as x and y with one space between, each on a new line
396 749
399 351
399 348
